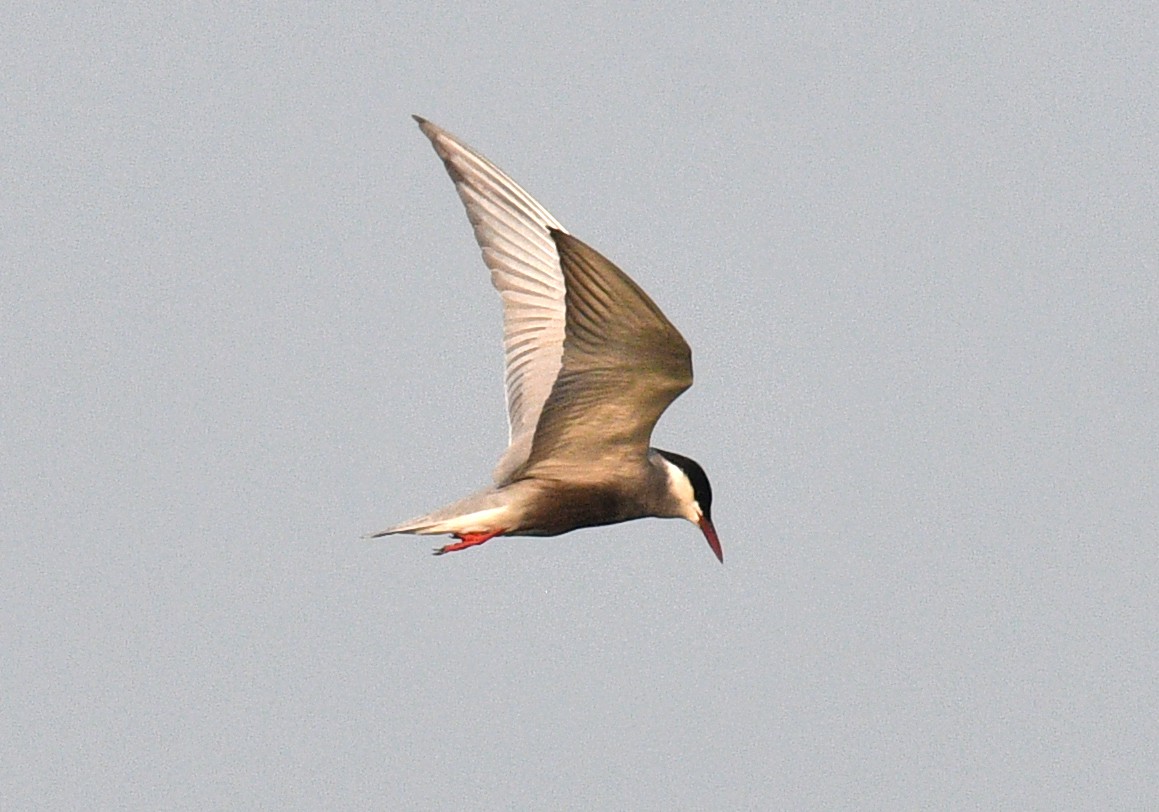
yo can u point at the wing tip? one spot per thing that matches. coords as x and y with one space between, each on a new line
429 130
565 243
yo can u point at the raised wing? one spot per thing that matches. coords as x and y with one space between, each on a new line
512 229
623 363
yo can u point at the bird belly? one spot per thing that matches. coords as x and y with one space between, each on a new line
559 508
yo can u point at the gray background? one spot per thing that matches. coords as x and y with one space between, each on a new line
244 322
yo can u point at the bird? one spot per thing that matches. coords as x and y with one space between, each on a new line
591 363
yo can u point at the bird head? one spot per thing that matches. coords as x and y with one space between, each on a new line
689 488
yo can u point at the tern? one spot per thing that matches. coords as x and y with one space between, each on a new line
591 364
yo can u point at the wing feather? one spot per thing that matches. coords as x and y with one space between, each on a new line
591 361
513 232
623 364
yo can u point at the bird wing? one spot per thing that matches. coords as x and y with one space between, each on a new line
623 364
513 231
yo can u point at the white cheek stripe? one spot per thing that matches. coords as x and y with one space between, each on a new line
681 488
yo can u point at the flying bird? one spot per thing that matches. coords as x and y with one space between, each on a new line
591 364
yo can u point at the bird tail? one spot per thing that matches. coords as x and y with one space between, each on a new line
483 512
419 526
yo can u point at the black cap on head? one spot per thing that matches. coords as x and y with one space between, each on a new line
701 490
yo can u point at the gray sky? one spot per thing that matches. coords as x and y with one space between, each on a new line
244 322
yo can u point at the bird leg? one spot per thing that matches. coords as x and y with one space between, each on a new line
466 540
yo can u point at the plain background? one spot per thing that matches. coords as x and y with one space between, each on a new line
244 322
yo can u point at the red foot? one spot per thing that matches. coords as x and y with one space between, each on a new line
466 540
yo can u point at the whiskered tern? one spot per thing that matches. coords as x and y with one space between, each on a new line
591 364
